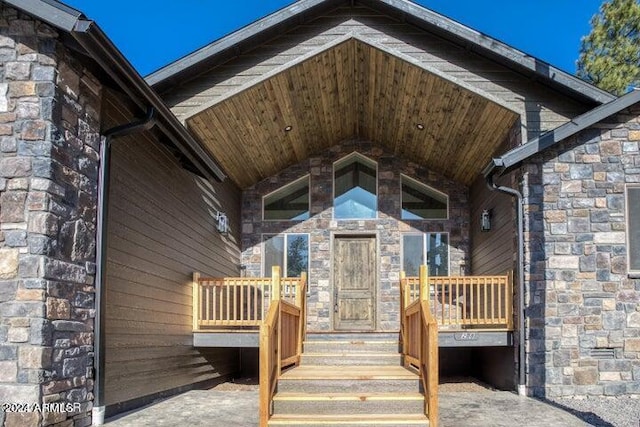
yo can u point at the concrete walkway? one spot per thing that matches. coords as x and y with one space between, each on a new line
240 409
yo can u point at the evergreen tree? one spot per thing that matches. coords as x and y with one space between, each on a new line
610 54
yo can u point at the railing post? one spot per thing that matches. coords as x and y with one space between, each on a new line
275 296
264 372
275 283
196 290
508 298
433 369
425 293
404 303
301 292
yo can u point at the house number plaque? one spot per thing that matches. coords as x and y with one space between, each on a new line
466 336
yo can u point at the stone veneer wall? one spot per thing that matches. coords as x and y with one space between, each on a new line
388 227
580 296
49 143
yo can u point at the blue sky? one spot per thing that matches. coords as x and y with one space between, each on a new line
153 34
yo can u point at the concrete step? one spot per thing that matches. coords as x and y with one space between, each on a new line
351 358
350 346
348 379
351 336
348 403
375 420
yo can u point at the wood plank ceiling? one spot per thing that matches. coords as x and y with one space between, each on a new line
352 91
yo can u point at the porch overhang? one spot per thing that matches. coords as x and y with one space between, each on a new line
353 90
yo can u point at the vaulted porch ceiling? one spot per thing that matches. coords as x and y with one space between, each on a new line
352 90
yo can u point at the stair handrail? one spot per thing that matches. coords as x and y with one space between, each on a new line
272 341
419 332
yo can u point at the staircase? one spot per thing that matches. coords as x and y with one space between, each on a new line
349 380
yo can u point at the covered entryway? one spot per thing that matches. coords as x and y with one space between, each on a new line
354 282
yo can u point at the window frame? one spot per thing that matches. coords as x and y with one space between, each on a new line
289 184
429 188
424 247
632 273
263 240
366 160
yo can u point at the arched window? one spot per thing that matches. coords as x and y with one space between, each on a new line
355 194
422 202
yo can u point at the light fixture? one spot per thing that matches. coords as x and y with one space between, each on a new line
420 126
222 223
485 220
288 128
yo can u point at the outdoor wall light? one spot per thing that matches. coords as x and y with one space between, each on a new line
485 220
222 223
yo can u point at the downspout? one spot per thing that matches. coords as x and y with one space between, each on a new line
101 251
520 232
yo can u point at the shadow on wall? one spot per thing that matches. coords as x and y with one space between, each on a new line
214 205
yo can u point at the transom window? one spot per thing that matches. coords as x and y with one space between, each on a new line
355 188
422 202
432 247
633 233
290 202
289 251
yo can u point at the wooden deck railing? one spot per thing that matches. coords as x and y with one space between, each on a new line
419 336
237 301
463 302
281 337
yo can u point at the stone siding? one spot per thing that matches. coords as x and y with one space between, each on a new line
49 143
583 309
388 227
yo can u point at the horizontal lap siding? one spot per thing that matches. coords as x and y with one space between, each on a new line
492 252
541 107
161 229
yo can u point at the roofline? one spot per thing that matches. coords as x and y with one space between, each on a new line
52 12
519 154
95 42
495 48
231 41
412 13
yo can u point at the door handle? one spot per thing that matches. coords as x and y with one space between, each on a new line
335 300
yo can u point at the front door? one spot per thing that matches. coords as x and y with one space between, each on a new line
354 281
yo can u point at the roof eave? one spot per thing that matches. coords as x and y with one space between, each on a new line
411 13
501 52
52 12
207 56
93 40
514 157
98 45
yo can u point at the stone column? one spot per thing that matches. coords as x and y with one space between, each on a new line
49 136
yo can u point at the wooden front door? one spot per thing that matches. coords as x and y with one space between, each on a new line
354 280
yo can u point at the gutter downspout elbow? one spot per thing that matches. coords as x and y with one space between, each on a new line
109 135
520 269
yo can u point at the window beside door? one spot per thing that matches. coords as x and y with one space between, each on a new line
432 247
288 251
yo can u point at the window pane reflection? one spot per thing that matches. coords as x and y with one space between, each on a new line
355 188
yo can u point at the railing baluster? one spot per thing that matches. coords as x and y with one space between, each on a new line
493 293
206 290
450 290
